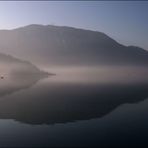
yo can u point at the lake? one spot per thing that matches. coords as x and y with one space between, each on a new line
75 107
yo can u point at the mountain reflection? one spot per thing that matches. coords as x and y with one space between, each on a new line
10 85
67 102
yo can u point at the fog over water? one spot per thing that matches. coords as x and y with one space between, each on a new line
100 74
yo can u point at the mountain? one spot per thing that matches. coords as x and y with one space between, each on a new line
14 68
55 45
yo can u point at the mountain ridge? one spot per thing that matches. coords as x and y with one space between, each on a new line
14 67
62 45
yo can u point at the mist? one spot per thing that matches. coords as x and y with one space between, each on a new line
100 74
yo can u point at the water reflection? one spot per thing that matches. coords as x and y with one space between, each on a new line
50 103
11 84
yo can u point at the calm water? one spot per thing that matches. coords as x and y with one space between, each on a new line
74 109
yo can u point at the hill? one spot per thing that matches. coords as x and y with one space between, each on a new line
57 45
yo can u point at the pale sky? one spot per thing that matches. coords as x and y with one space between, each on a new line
125 21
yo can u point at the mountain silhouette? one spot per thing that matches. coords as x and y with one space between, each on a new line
60 45
14 68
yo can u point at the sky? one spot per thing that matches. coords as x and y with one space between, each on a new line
125 21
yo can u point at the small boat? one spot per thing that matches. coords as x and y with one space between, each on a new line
2 77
